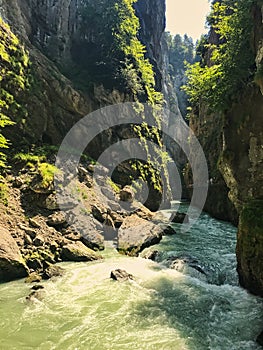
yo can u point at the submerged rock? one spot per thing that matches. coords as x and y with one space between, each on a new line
12 265
36 295
180 218
121 275
78 252
52 271
136 234
37 287
151 255
179 262
169 230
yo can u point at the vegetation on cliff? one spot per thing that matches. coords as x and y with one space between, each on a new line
181 50
228 63
14 80
113 51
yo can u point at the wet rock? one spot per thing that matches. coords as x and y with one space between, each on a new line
168 230
36 295
37 287
12 265
52 271
121 275
136 234
179 262
126 194
78 252
33 277
179 218
151 255
260 339
57 220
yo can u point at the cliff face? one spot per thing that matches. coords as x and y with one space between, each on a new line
60 45
232 142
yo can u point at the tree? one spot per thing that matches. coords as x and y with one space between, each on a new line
228 64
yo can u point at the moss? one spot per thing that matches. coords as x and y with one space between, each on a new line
47 172
113 185
14 78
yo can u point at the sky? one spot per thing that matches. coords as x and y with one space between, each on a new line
187 16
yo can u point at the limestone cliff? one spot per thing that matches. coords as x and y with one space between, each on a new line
61 39
232 141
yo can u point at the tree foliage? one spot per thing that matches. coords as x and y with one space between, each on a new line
180 51
227 65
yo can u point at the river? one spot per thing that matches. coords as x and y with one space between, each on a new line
170 309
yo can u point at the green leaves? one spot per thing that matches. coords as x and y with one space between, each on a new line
227 64
14 79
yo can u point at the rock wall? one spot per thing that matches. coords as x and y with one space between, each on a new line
232 142
51 31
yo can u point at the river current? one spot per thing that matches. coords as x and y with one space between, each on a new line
192 307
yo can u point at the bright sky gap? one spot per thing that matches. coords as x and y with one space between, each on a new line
187 17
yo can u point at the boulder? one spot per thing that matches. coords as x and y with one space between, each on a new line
33 277
57 220
151 255
90 230
37 287
179 218
52 271
12 265
99 212
36 295
34 223
179 262
121 275
126 194
168 230
78 252
136 234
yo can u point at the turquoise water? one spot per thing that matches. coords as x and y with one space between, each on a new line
162 309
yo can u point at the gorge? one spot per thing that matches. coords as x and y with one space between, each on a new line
64 60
